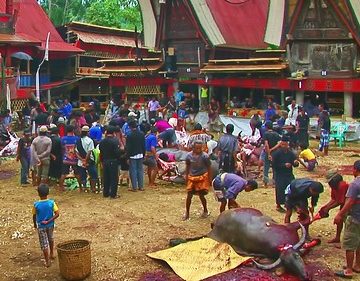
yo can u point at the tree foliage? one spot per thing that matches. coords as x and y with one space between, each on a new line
113 13
64 11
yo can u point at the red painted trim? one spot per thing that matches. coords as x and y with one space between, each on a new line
318 85
195 22
160 25
294 19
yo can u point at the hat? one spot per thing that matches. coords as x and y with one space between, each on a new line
85 128
61 120
52 125
331 174
43 129
132 114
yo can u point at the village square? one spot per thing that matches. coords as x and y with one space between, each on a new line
179 140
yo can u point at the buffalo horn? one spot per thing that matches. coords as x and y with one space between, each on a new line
302 239
268 266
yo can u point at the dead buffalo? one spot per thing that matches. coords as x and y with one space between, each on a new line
249 232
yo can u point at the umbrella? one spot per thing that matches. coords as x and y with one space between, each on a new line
21 56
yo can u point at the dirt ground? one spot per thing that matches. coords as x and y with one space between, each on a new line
122 231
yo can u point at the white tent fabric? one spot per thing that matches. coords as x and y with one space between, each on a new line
240 124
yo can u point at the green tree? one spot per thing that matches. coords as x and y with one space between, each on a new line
115 13
64 11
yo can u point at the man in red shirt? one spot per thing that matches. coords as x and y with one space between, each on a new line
338 191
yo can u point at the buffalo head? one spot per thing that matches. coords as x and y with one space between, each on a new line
290 258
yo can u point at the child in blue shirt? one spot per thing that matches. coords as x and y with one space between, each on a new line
45 211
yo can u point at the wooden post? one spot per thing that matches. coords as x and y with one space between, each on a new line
228 96
49 96
348 104
299 96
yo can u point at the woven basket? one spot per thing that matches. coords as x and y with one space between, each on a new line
74 259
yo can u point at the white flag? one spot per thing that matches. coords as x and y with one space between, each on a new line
46 56
8 98
37 77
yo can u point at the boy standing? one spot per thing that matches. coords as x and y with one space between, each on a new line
197 177
45 211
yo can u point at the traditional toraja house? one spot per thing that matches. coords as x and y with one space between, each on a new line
101 45
255 48
136 79
138 76
24 28
114 62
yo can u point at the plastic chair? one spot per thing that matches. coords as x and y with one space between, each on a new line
338 133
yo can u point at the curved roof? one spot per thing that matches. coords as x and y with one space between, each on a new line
233 23
32 22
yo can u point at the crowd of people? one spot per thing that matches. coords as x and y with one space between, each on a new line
61 142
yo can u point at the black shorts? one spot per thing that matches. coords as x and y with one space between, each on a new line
123 163
150 161
293 205
66 169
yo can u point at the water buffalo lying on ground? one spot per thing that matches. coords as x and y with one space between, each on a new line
249 232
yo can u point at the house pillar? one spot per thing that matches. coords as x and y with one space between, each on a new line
48 97
299 96
348 104
228 96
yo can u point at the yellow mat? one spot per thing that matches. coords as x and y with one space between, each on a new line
200 259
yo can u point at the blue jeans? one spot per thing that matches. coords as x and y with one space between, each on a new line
24 173
136 171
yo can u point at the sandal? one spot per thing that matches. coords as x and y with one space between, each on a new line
205 215
356 271
342 274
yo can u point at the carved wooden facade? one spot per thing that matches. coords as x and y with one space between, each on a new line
321 42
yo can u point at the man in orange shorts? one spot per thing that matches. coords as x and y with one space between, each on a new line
198 177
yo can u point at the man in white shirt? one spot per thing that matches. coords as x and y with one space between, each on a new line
86 163
293 113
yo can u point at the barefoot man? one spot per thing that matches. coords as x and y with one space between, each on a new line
339 188
198 177
351 237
